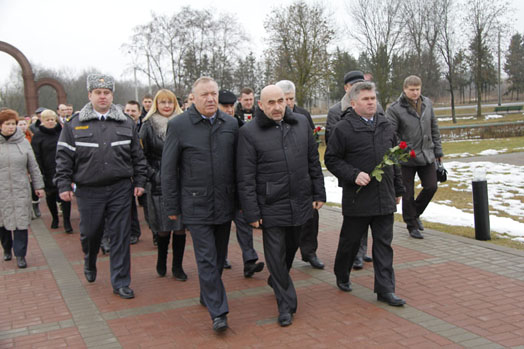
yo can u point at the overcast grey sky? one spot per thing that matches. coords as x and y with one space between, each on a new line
77 35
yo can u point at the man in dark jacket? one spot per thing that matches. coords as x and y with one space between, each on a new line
357 145
226 103
280 183
245 108
415 123
99 151
308 242
198 182
334 115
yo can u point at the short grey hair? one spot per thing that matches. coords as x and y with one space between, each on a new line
201 80
286 86
360 86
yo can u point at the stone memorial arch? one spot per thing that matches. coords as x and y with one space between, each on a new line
31 86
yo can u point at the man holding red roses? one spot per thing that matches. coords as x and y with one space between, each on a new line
414 121
356 148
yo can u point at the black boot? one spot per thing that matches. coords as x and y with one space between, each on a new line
179 244
66 214
51 204
162 245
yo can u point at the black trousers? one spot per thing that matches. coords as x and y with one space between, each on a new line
245 238
363 246
309 237
16 240
135 224
411 207
280 247
210 246
353 228
107 205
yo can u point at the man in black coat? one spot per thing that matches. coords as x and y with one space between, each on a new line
226 103
280 183
357 145
308 242
198 182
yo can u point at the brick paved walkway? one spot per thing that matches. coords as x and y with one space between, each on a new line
460 293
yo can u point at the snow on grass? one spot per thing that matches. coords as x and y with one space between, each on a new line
492 151
505 183
494 116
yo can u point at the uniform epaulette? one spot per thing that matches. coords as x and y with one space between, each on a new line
72 117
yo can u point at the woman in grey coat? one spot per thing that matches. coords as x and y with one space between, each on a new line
152 136
16 162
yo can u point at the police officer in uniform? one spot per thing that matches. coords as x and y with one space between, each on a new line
100 153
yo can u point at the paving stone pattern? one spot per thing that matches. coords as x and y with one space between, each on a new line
460 293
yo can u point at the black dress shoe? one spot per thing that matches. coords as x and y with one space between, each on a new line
227 265
419 223
285 319
133 240
67 227
391 299
344 286
54 223
124 292
252 268
20 261
7 256
315 262
415 233
90 275
358 263
220 323
368 259
179 274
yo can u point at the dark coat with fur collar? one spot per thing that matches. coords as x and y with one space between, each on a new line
97 153
278 170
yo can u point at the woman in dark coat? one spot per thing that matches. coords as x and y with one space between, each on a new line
152 135
44 144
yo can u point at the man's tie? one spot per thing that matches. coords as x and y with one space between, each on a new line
103 118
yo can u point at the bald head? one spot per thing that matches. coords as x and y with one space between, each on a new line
272 102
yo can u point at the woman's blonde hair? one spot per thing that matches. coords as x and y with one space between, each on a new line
48 113
163 94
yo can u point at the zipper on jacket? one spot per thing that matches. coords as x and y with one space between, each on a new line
282 124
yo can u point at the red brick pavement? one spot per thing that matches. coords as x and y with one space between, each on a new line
481 303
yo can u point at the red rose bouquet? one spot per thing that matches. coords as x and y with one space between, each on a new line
394 156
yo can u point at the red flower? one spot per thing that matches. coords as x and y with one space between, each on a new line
412 154
318 129
403 145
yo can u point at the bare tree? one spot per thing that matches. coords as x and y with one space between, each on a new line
298 38
377 27
447 45
423 25
485 19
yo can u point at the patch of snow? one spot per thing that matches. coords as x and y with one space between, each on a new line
493 116
492 151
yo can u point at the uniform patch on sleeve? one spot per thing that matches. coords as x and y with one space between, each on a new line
82 127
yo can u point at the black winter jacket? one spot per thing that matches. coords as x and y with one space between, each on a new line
356 147
198 167
44 143
299 110
278 171
96 153
152 146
